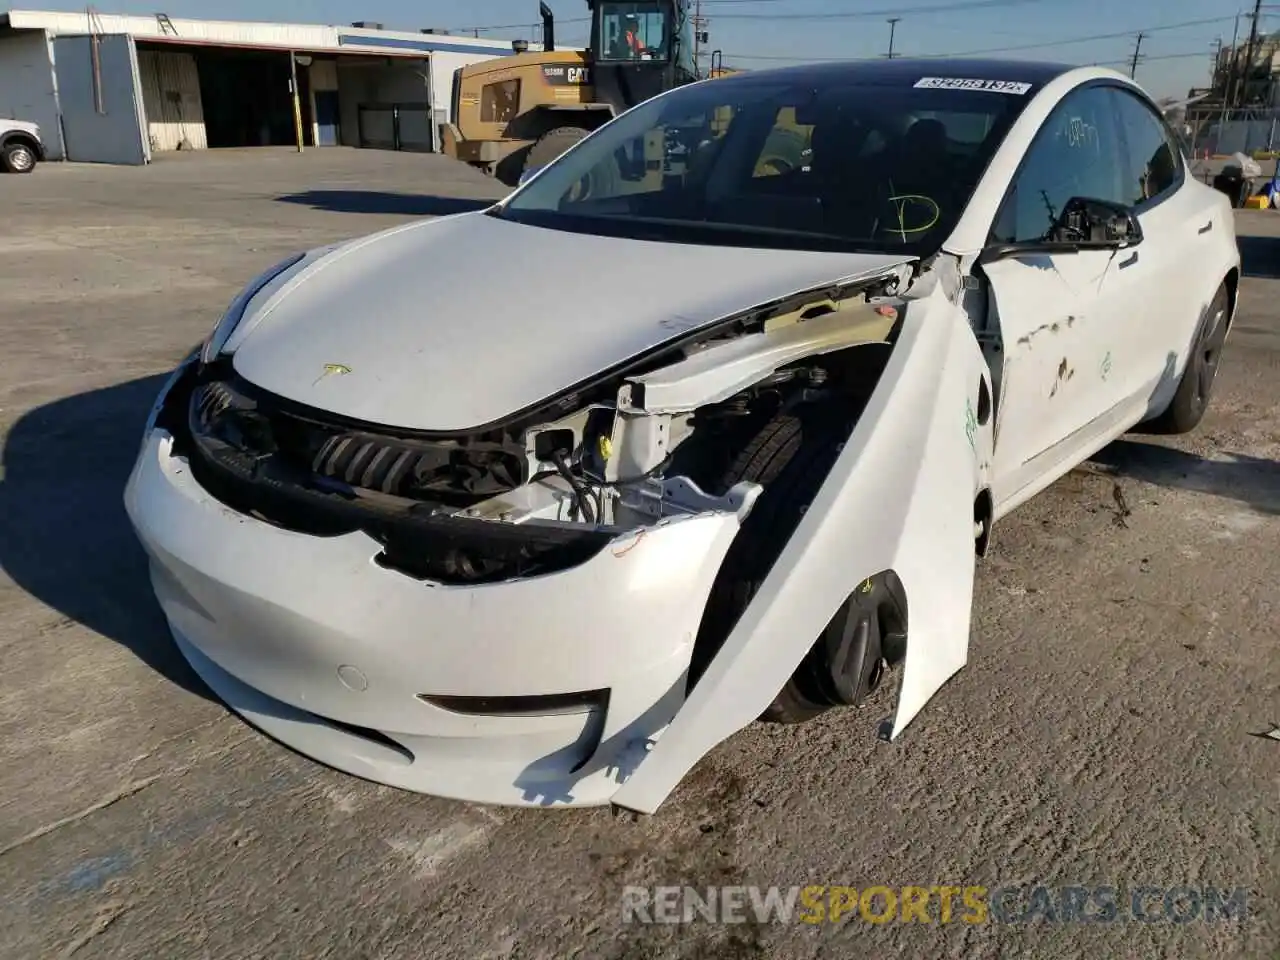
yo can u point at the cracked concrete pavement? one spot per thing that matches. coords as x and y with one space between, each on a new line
1109 729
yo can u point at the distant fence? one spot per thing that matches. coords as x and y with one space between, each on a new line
1224 132
395 126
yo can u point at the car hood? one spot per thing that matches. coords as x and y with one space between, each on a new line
456 323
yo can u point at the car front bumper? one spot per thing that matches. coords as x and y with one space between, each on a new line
312 641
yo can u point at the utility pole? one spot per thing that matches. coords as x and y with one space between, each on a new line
1133 63
1230 92
697 36
700 35
893 25
1248 53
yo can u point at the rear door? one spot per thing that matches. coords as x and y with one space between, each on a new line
100 96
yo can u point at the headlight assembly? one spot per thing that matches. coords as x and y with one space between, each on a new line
230 319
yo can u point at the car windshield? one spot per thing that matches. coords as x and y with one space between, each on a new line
779 163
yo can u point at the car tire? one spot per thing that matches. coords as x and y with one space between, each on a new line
790 456
603 179
551 144
18 157
1195 388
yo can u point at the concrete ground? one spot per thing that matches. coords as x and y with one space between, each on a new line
1104 732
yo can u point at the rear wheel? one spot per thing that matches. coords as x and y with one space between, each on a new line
19 157
790 457
1191 400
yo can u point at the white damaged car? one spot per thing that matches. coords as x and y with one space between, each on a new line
707 422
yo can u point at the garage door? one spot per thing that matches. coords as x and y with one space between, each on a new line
98 92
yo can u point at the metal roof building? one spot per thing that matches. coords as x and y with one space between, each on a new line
114 89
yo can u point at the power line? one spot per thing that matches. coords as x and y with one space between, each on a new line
1123 62
512 26
876 14
1119 35
1013 48
1146 59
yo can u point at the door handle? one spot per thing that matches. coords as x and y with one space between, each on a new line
1129 262
1206 228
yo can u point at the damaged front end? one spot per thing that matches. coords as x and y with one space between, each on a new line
547 489
544 507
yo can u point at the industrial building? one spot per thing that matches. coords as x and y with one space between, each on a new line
116 89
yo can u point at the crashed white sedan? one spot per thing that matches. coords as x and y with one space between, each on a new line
705 423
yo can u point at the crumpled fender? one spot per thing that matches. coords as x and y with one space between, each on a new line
900 497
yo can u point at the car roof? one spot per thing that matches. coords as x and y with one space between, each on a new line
905 71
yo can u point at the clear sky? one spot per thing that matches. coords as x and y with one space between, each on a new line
761 33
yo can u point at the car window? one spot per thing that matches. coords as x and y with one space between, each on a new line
779 163
1077 153
1154 157
787 146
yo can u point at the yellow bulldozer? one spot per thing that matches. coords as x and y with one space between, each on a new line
518 113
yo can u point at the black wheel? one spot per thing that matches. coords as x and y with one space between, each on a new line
602 181
1189 403
790 456
507 170
551 144
19 157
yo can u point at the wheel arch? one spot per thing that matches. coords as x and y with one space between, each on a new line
1232 282
23 138
890 502
545 117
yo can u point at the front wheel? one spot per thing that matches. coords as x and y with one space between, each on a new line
1189 403
18 158
790 457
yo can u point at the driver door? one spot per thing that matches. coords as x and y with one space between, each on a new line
1057 315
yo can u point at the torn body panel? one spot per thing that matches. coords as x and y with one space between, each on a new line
456 540
900 497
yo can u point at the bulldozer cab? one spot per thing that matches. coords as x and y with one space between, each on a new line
639 49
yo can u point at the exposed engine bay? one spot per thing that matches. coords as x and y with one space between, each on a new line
548 487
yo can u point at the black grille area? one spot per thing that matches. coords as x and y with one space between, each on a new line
289 468
450 472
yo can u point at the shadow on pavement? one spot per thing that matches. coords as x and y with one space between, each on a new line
1251 481
1260 256
64 534
365 201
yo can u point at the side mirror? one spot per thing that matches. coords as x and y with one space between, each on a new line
1083 224
1096 224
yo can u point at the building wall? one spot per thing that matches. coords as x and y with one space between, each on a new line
171 98
378 83
27 90
102 118
323 76
297 36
